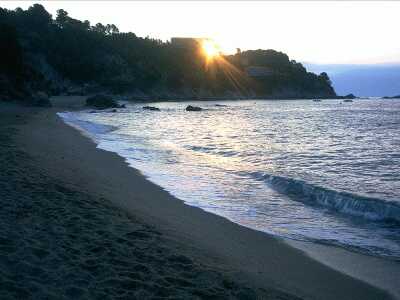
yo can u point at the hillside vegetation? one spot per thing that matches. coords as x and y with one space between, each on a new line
40 53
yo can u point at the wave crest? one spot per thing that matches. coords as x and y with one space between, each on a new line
369 208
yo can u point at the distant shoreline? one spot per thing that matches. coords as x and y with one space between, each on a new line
187 99
183 98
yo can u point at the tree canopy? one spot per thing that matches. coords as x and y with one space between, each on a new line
81 53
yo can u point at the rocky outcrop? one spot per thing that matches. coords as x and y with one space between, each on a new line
350 96
102 102
193 108
41 99
151 108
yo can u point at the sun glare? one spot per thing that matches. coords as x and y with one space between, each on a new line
210 49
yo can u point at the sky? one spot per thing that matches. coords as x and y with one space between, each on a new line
322 32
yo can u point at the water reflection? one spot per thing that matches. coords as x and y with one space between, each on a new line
215 159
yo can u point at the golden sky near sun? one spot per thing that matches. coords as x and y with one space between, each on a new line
314 31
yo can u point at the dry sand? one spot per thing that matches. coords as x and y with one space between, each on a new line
73 198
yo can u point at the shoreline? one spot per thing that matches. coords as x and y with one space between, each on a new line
267 261
150 99
59 242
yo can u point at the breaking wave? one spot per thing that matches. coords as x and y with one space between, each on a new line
369 208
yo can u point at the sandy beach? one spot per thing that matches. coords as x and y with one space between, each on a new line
78 222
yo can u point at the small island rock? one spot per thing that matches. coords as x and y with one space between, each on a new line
350 96
193 108
151 108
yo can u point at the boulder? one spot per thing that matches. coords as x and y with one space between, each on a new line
101 102
151 108
41 99
193 108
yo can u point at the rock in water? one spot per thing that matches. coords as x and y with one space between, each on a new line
151 108
101 102
193 108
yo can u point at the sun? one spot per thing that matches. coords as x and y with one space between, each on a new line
210 48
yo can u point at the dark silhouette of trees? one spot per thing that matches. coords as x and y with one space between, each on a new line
11 51
33 41
325 78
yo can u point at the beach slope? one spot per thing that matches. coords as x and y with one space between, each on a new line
200 251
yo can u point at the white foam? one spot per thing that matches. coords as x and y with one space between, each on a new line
89 129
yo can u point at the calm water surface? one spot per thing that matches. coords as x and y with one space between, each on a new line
325 171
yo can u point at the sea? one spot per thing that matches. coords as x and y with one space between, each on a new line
324 172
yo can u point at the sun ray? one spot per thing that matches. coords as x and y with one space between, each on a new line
210 48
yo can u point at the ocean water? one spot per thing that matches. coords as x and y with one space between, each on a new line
326 172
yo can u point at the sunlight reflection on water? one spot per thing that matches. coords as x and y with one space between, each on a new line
222 159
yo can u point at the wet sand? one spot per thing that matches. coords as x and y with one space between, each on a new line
80 223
